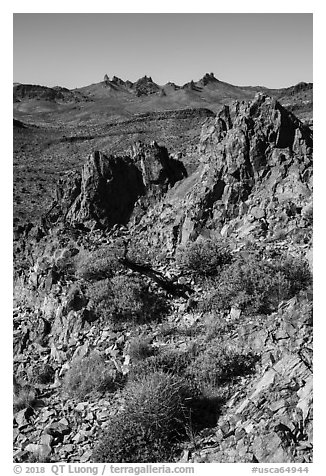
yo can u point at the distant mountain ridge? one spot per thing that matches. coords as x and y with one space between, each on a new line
118 98
34 91
144 86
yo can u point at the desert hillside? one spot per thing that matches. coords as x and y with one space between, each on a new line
163 272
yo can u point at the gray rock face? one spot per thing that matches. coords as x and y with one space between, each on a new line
109 188
159 171
106 190
255 177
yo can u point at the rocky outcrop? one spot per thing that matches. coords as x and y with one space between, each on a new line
255 178
145 86
105 192
208 78
191 86
159 170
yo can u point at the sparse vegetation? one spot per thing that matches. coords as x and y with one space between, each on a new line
169 361
219 364
154 420
204 257
90 374
24 396
140 348
125 298
129 294
100 297
94 265
258 285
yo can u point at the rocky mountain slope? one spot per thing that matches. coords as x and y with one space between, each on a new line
175 291
59 127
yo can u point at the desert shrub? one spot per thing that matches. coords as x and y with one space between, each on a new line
296 272
90 374
125 298
154 419
256 285
140 252
97 264
216 326
204 257
134 301
218 365
24 396
129 295
100 297
173 362
139 349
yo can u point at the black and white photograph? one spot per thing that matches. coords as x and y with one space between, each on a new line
162 239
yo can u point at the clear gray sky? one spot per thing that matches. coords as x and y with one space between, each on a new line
77 49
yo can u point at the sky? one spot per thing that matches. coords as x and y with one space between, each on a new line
78 49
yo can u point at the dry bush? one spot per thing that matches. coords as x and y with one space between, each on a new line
257 285
154 419
97 264
140 348
125 298
90 374
100 297
219 364
24 396
203 257
173 362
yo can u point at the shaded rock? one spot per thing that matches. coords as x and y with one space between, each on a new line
43 374
159 170
109 187
58 429
75 299
106 190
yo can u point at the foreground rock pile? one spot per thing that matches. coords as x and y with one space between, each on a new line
253 189
272 423
268 419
